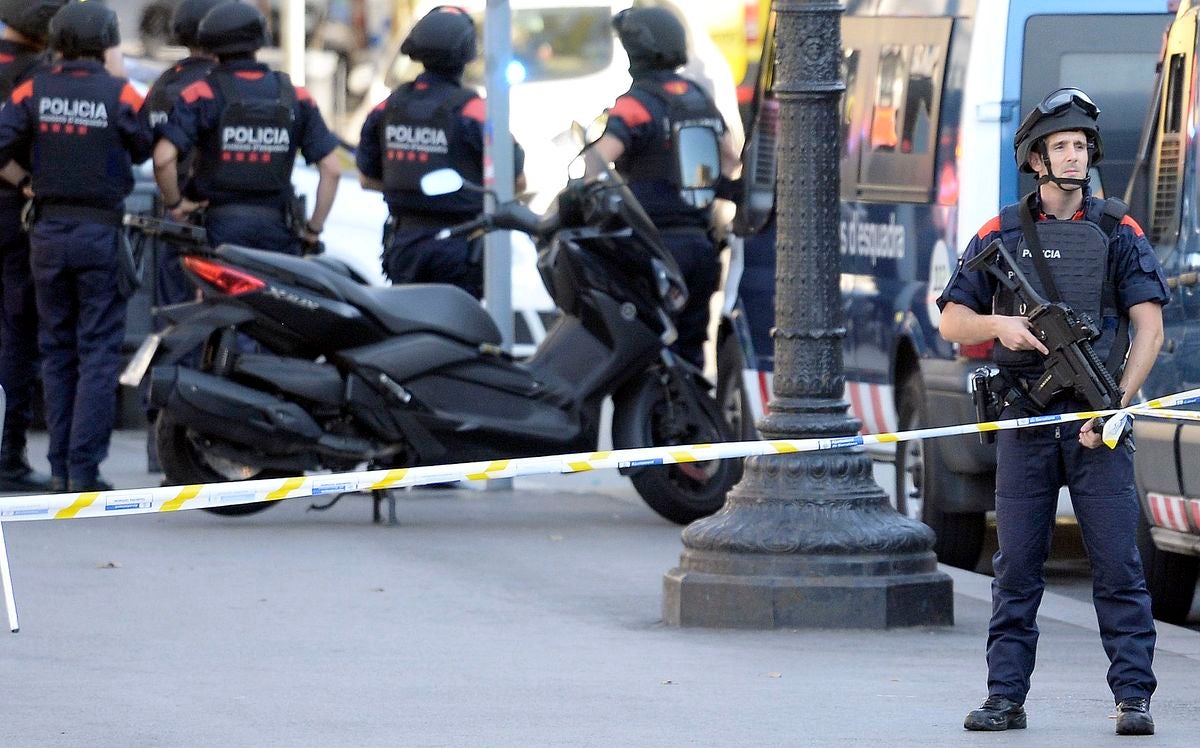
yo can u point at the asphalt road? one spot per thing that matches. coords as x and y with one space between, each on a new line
499 618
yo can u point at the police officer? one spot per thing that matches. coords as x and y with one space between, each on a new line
22 53
80 128
1111 274
638 139
171 285
430 123
246 123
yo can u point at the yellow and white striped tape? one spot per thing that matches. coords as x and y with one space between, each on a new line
124 502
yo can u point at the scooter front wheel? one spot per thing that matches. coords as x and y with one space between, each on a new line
184 461
657 414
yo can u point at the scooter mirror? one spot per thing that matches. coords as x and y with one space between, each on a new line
441 182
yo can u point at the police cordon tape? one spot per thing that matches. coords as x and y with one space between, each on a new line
121 502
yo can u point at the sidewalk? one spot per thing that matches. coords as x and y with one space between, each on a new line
491 618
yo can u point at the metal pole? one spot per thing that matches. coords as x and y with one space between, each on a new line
808 540
498 174
291 37
10 602
498 165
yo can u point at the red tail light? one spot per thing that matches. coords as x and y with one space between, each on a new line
225 279
978 352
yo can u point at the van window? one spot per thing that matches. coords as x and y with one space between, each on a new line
1110 56
902 109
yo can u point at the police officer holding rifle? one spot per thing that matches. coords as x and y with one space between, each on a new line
1089 342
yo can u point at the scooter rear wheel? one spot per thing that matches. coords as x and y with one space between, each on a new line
184 461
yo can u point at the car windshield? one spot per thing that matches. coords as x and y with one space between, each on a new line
548 44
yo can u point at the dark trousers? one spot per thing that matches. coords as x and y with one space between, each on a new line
1031 466
250 226
171 284
82 326
413 255
693 250
18 332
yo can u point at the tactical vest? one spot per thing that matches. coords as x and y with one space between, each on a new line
78 156
11 73
690 108
1077 255
15 70
420 134
254 139
161 98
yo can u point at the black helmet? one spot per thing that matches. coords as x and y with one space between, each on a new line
29 17
84 28
186 20
443 40
653 38
1062 110
230 28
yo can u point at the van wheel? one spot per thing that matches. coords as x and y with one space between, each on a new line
731 395
1170 577
922 480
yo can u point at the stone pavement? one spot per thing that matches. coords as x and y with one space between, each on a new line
489 618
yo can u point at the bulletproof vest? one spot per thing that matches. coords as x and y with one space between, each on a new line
254 139
78 155
165 92
1077 255
420 134
686 106
15 70
161 98
19 65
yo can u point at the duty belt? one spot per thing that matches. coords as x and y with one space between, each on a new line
430 220
87 213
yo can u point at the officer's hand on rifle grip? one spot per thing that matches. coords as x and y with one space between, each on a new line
1014 334
185 208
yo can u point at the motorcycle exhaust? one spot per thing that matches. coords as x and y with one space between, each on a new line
236 413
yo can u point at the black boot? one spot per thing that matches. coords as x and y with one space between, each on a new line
1133 716
996 713
75 485
17 476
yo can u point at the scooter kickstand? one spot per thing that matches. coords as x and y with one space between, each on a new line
379 495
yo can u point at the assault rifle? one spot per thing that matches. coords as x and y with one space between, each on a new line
1072 363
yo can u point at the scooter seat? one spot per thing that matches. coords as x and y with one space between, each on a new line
433 307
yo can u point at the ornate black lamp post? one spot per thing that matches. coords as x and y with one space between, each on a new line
808 539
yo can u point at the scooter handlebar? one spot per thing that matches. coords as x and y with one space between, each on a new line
464 228
511 216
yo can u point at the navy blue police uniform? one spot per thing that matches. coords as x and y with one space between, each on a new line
19 325
430 123
80 127
171 284
1032 464
247 124
642 120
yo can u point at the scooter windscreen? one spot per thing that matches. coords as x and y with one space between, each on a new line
669 279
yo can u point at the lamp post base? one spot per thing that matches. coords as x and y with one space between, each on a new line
751 591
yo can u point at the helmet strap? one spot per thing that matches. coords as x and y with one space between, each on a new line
1063 183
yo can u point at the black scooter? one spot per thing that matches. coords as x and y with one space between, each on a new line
287 365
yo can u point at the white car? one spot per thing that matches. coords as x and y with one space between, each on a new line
567 66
